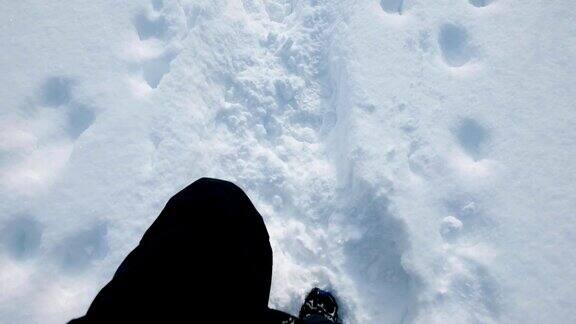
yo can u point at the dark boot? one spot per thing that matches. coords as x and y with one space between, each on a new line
319 307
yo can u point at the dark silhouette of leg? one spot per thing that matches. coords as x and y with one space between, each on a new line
206 256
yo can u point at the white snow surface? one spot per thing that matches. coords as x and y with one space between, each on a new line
415 157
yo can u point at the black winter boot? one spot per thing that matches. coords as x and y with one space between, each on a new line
319 307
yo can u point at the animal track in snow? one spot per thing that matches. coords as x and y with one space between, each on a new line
480 3
454 44
472 137
79 119
156 50
21 237
148 27
41 136
392 6
79 250
58 92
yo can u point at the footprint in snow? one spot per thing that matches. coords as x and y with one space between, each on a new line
58 92
80 249
455 45
393 6
472 137
480 3
154 31
21 237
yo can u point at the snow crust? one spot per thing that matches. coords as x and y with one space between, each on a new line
416 157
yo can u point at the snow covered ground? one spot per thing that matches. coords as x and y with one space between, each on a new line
417 157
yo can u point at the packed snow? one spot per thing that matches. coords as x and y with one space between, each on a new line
415 157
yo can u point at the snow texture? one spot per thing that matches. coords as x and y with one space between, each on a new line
415 157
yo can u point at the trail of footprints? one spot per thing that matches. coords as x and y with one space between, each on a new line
464 230
56 104
453 39
466 223
473 139
464 276
66 117
22 237
286 105
22 234
53 117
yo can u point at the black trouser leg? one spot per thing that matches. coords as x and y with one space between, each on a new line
206 256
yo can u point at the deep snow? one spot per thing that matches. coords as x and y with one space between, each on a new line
417 157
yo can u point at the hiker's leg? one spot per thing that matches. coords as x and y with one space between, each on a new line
208 250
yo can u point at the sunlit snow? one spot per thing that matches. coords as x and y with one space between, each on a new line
415 157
